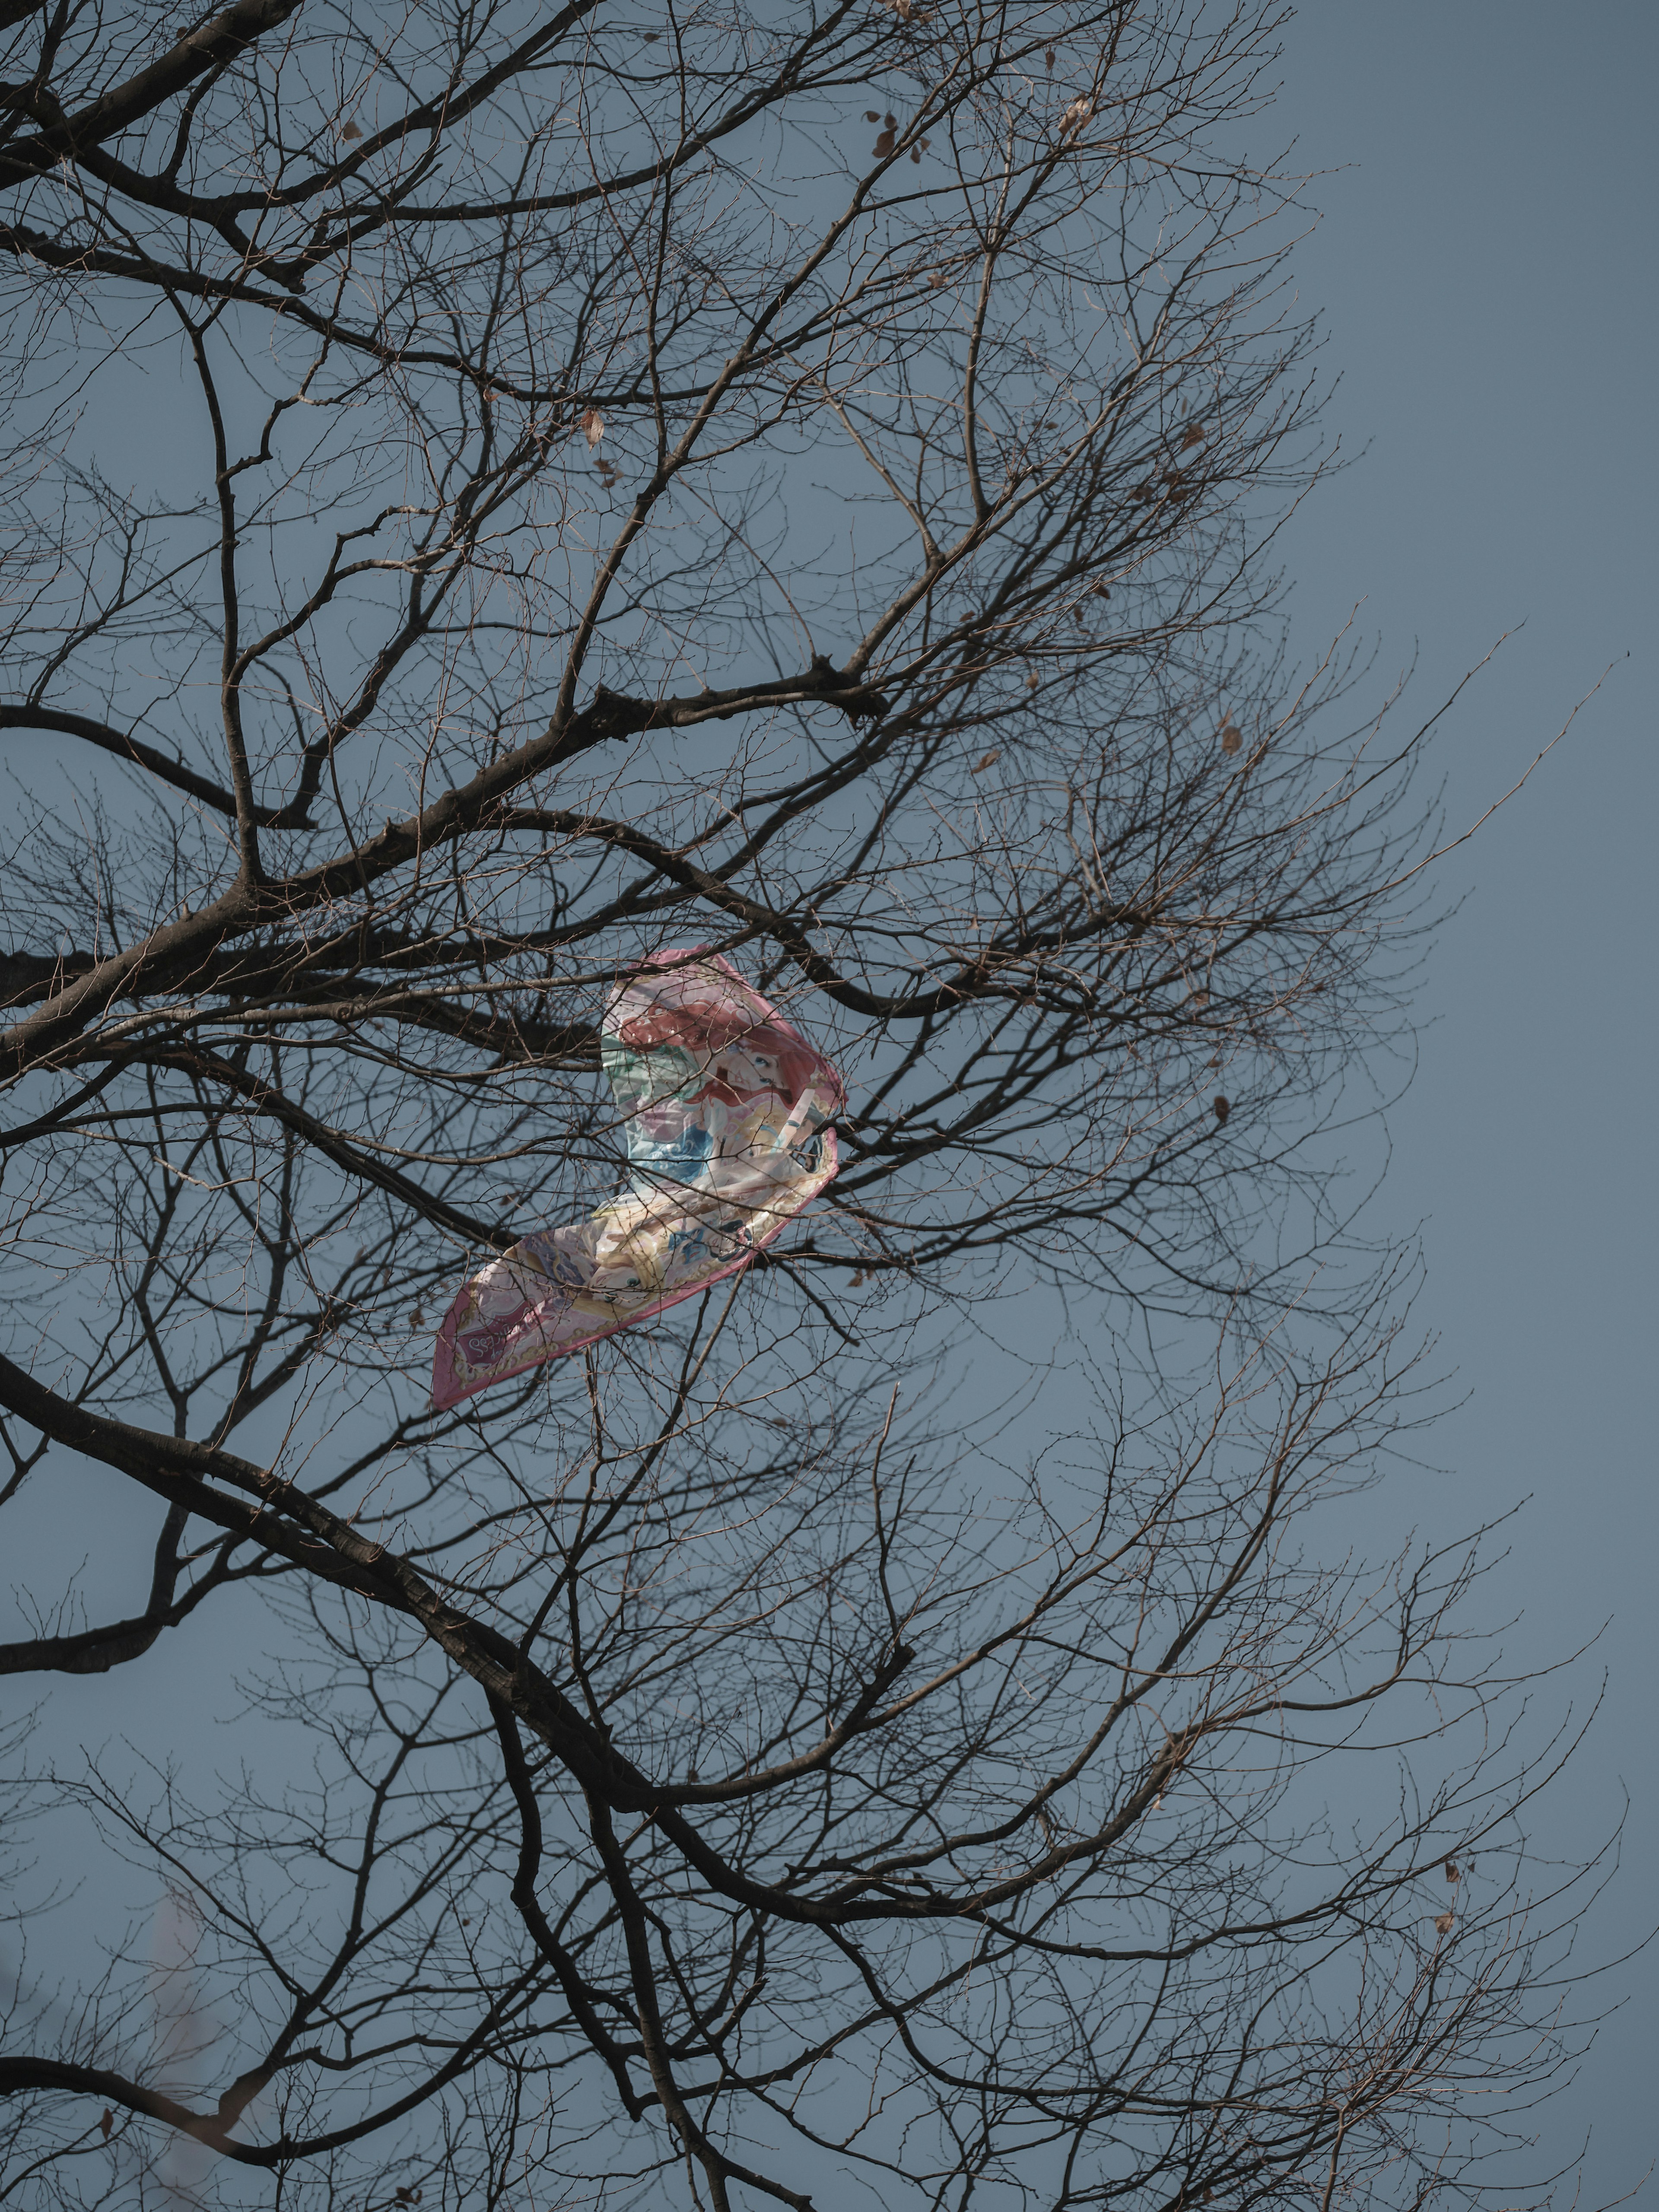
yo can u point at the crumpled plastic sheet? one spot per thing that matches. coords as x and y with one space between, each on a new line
727 1110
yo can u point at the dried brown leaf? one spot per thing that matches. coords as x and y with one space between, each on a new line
989 761
105 2121
1232 737
1443 1923
884 143
871 115
1193 434
1223 1108
1452 1874
592 426
352 131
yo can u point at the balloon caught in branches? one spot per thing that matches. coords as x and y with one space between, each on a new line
726 1108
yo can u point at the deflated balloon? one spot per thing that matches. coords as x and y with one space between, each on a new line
726 1108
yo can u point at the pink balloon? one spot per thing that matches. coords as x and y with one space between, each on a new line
727 1109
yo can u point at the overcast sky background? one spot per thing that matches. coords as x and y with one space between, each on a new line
1485 260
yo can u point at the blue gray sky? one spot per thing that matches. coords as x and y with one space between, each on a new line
1486 260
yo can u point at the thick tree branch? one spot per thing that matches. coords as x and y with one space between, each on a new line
171 955
216 43
158 764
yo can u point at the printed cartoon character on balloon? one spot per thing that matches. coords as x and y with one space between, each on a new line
705 1081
